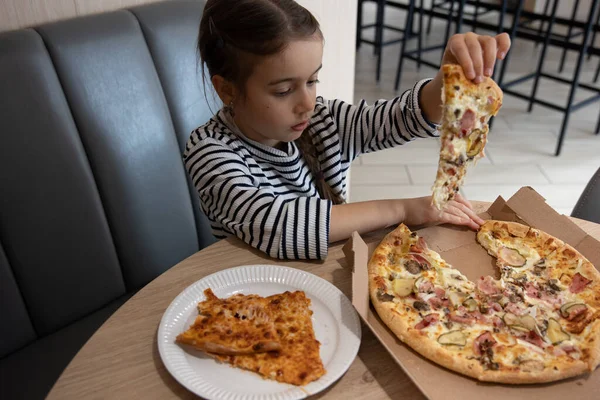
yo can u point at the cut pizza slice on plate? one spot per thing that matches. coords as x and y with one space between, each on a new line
240 324
467 109
272 336
298 362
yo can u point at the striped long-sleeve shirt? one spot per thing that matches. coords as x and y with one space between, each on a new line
267 196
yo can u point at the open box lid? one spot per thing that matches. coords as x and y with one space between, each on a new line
459 247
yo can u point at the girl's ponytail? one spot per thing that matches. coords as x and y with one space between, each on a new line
309 153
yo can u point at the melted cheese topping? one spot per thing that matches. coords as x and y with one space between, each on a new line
241 324
454 280
542 310
511 350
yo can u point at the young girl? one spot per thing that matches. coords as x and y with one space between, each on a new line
270 167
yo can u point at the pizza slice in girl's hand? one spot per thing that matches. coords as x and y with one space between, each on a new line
468 107
240 324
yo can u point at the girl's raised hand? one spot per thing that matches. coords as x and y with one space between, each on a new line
476 54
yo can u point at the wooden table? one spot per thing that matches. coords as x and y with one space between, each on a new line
122 361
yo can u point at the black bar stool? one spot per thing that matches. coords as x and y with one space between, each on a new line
480 9
380 26
417 55
550 38
453 12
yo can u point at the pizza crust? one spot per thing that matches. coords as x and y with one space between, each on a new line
537 239
547 375
594 345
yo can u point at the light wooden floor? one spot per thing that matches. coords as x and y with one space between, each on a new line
521 145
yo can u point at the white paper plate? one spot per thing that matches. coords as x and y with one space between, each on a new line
335 322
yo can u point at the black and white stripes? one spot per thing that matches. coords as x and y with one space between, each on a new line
267 196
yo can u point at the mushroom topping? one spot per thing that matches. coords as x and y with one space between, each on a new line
520 280
421 306
537 270
553 284
413 267
482 346
541 263
383 297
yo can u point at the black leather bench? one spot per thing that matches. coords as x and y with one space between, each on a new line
95 200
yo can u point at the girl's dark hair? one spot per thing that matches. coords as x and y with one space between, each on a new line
235 34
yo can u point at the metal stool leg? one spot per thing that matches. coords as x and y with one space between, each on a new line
543 22
568 37
542 56
594 35
476 15
575 84
597 75
448 25
502 17
500 28
359 18
598 126
405 38
378 26
420 37
461 14
433 5
513 32
379 36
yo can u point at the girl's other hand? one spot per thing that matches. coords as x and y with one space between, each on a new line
476 54
420 211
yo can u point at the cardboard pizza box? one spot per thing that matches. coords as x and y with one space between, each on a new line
459 247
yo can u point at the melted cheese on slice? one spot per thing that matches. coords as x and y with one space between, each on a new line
298 362
465 102
240 324
452 279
